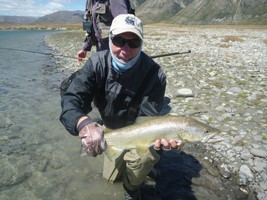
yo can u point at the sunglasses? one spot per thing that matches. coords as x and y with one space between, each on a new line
120 42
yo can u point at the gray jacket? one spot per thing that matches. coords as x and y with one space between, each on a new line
120 98
113 9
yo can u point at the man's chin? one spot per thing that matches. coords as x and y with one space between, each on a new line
124 60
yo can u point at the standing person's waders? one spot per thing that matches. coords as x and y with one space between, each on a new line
132 168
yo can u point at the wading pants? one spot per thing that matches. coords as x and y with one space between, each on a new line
131 167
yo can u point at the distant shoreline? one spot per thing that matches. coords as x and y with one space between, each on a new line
40 26
78 26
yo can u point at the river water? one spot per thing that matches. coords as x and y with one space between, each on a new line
39 159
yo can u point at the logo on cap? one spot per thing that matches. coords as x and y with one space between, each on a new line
130 20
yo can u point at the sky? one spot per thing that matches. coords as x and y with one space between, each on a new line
38 8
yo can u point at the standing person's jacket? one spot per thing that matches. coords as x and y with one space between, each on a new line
101 13
119 97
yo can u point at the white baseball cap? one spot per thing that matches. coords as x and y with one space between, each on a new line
127 23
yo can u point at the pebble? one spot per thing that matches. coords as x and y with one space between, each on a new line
224 171
260 165
185 92
234 90
258 152
245 155
245 175
264 185
262 196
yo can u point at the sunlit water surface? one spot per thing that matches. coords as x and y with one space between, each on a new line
39 159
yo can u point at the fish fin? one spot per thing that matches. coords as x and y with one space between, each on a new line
82 153
211 138
114 153
214 139
141 150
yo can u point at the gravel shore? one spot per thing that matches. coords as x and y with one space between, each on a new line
222 82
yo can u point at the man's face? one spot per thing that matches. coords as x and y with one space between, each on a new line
125 46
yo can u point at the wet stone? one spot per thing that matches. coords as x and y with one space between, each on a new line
225 173
245 175
213 171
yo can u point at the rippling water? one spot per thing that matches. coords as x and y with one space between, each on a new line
39 159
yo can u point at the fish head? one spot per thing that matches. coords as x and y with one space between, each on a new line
210 133
199 131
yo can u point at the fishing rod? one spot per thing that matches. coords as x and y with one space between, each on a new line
171 54
59 55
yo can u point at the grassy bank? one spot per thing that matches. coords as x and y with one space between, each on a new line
40 26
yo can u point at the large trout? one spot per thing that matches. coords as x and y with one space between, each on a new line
146 130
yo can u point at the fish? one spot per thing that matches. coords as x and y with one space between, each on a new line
142 134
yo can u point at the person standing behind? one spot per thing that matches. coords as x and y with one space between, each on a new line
123 83
98 17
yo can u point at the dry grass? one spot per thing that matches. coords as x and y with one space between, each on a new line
224 45
176 27
213 26
232 38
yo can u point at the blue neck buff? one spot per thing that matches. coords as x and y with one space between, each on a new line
120 66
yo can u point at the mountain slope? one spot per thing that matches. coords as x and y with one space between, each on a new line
63 16
157 10
203 11
221 11
175 11
17 19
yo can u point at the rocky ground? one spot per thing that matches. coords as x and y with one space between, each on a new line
222 82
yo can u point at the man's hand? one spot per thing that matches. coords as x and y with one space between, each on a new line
81 55
92 139
167 144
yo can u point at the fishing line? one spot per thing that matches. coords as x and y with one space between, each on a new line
59 55
28 51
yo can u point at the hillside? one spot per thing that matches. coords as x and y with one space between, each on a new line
204 11
17 19
175 11
63 16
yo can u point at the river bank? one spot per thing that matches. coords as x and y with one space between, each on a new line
225 81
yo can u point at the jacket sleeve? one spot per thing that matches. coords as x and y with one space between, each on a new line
76 101
119 7
87 46
153 100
